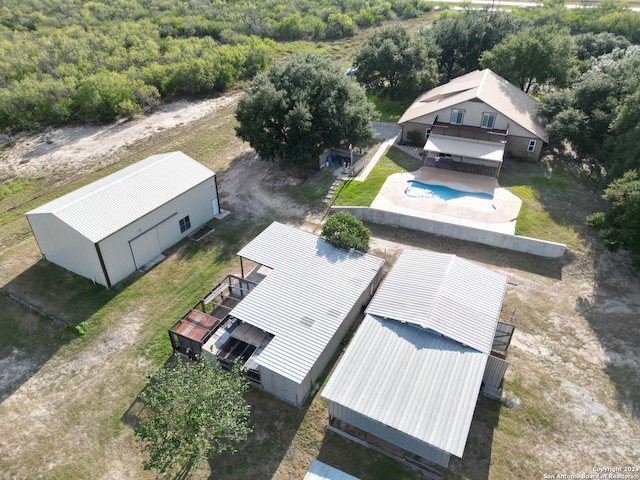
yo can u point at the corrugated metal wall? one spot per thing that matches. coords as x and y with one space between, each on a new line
279 386
334 344
117 251
494 372
64 246
389 434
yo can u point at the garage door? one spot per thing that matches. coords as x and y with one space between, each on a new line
145 247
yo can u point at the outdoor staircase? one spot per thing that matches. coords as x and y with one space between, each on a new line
417 152
332 189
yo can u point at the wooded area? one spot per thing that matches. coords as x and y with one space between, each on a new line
69 61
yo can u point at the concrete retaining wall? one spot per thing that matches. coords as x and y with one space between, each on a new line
533 246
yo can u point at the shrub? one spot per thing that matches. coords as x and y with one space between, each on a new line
414 137
343 230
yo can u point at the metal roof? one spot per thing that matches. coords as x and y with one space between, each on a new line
107 205
322 471
487 86
305 299
443 293
412 380
465 147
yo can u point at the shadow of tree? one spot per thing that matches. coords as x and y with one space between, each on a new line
275 424
612 312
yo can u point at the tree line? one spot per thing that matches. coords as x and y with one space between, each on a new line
68 61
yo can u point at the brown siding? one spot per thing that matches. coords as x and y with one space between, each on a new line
517 146
409 126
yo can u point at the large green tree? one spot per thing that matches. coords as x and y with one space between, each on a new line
298 108
397 60
192 410
619 225
535 56
599 114
462 37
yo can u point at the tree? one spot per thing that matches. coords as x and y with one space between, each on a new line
590 45
397 57
343 230
462 37
538 55
297 109
340 25
107 95
619 226
599 114
192 410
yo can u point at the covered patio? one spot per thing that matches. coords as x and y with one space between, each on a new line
481 157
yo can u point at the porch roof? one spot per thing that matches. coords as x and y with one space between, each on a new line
465 147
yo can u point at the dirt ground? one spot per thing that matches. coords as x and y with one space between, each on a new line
575 354
87 148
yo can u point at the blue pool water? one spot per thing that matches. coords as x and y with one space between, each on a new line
425 190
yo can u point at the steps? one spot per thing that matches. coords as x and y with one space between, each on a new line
332 189
417 152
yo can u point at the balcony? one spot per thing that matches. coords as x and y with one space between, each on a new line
467 131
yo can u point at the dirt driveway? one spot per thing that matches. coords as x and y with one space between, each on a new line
575 356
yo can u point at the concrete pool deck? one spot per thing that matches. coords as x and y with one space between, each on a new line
462 211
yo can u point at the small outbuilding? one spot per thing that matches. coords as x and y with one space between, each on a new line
121 223
409 380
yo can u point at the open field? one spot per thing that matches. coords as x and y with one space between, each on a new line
70 400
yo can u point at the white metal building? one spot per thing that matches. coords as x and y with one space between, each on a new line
322 471
106 230
413 371
299 313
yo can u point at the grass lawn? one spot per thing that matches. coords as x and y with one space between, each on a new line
556 198
354 193
389 110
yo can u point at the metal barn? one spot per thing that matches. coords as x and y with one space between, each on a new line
287 328
409 380
114 226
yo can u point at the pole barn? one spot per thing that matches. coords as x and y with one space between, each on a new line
123 222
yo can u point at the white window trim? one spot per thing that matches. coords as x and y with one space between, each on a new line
490 115
185 224
461 117
532 146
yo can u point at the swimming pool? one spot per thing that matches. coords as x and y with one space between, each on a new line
418 189
481 200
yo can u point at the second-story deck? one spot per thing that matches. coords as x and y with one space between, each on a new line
468 131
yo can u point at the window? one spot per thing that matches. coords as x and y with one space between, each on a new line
532 146
488 120
456 116
185 224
